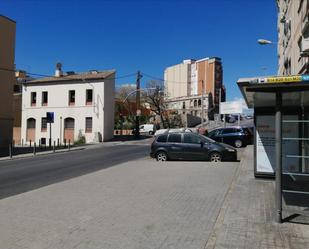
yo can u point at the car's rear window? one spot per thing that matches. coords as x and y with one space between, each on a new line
174 138
162 138
191 139
228 130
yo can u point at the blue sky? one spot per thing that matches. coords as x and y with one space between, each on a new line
144 35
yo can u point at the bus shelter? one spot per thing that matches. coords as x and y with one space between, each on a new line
281 146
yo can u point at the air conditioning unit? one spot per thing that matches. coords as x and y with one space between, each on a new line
282 18
305 45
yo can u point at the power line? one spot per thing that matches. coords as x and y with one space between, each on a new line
35 74
44 75
160 79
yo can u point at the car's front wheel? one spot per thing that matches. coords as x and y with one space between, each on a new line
215 157
238 143
161 156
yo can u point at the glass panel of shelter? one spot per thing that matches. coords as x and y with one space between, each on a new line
295 150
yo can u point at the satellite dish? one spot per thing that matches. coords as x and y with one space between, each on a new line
58 66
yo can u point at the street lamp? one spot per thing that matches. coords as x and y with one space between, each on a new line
145 90
268 42
264 42
138 111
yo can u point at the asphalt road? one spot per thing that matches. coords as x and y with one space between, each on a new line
22 175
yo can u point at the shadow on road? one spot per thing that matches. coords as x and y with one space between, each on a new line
128 138
19 176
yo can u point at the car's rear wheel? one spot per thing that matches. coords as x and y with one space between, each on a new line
238 143
215 157
161 156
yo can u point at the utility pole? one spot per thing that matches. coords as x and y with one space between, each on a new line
138 103
203 111
219 106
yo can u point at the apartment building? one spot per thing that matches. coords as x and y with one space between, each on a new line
82 104
190 84
177 80
7 78
293 40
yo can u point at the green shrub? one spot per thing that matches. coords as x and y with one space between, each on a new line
81 138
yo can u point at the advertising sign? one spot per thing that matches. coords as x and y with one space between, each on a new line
266 144
284 79
232 107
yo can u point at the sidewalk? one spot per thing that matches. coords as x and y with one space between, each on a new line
247 217
30 153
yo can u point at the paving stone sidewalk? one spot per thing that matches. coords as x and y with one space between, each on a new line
140 204
247 217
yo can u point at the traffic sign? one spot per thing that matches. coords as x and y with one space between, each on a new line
50 117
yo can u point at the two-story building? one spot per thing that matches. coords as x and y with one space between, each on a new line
82 104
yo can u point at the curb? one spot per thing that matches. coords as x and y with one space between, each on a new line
31 155
212 240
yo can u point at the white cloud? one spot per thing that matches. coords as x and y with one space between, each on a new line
243 102
245 109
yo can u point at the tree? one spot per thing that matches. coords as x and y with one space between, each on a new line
155 99
211 107
126 96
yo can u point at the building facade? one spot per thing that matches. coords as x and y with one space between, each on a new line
193 84
7 79
177 80
82 105
20 78
293 37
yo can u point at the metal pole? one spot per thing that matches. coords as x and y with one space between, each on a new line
219 105
138 102
50 132
278 157
60 130
203 111
34 151
10 151
54 147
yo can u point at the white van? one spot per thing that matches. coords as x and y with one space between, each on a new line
148 129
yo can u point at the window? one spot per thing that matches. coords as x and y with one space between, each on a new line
71 97
191 139
174 138
213 133
33 98
44 98
162 139
44 124
227 131
89 96
88 125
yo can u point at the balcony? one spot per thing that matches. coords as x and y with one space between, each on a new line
305 45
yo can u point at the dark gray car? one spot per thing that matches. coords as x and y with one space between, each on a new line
190 146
